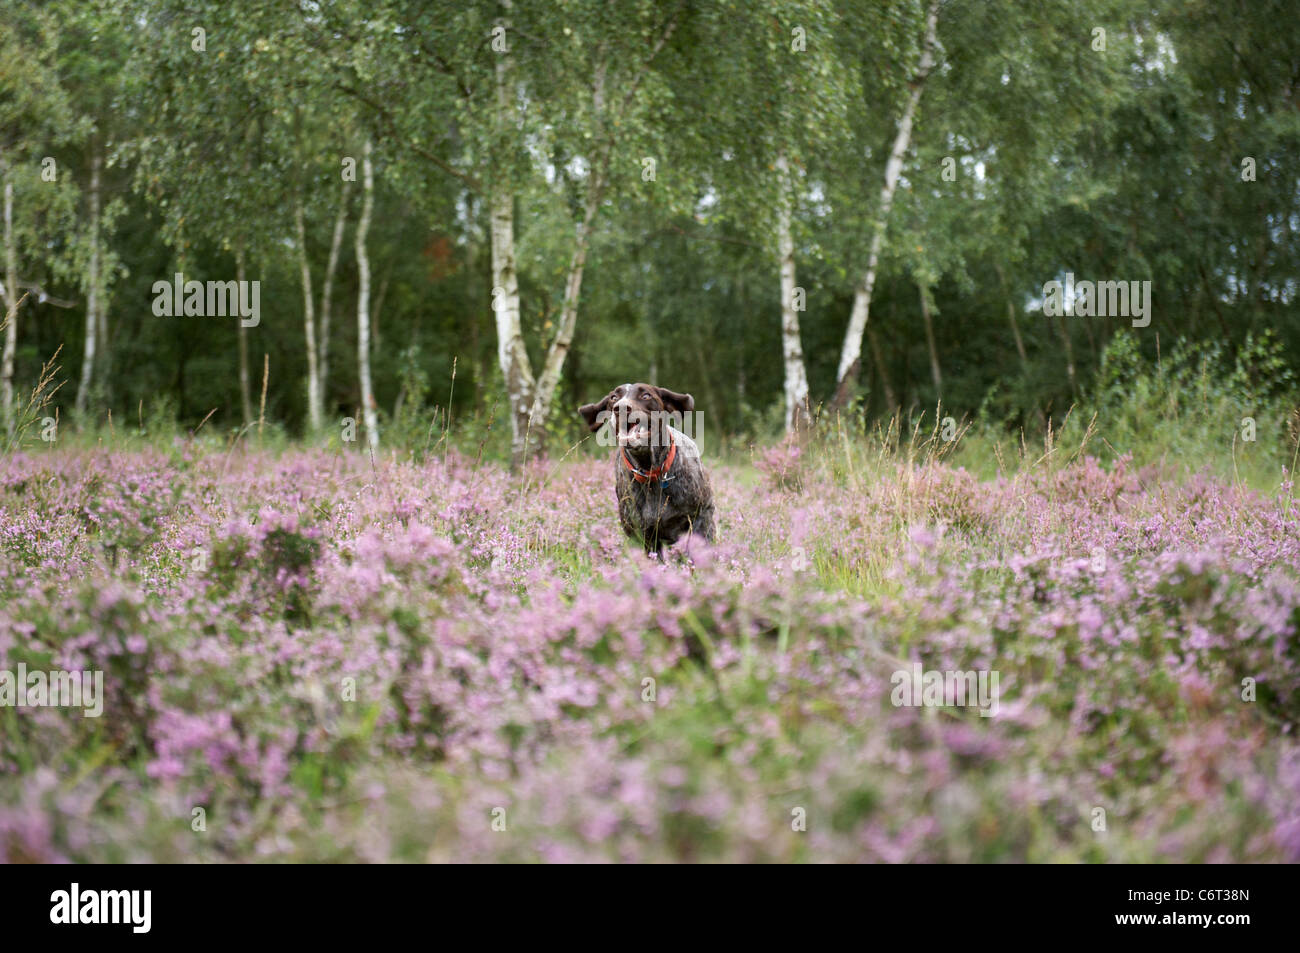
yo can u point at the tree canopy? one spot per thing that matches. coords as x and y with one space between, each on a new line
573 194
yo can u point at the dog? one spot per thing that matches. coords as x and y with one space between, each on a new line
662 489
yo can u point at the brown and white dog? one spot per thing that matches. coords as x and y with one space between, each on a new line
662 490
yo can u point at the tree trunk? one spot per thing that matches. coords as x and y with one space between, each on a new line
11 310
935 375
531 400
472 266
797 414
245 393
511 353
309 321
377 312
559 349
1092 340
327 291
1069 355
1015 332
549 378
1020 341
104 355
92 295
363 303
850 355
891 399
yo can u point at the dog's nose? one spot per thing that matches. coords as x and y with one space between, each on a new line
626 410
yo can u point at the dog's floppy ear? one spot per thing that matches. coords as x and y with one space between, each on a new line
682 403
591 413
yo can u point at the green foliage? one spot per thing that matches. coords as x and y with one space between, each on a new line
1124 163
1194 403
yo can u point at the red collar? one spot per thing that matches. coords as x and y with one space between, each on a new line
660 472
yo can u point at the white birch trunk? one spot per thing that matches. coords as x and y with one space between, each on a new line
309 321
363 302
549 378
851 353
797 415
559 349
511 353
103 354
327 290
377 313
92 295
11 311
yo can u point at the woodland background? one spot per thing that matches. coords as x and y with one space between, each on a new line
571 194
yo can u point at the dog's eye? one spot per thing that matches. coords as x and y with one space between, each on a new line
645 396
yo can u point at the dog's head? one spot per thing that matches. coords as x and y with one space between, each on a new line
638 414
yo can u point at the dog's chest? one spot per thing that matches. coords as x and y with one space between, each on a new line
650 505
655 502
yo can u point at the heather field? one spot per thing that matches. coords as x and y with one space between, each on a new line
310 655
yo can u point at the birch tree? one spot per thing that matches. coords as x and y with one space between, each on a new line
12 299
93 319
576 78
611 96
512 354
787 98
314 411
368 407
327 290
797 413
35 116
602 59
851 353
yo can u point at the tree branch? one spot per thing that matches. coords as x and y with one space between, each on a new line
42 296
386 116
669 28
